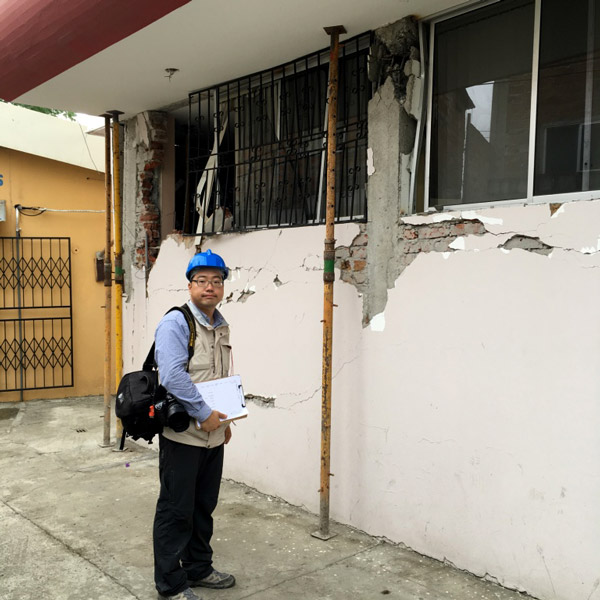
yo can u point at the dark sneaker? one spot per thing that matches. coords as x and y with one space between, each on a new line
187 594
215 581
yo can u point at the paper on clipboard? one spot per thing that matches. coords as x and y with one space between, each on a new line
225 395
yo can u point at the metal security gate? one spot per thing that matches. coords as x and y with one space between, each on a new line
36 342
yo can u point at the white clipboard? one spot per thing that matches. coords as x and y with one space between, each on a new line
225 395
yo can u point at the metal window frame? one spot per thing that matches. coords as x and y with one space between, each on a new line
531 198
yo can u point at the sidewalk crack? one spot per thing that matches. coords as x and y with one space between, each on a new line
69 549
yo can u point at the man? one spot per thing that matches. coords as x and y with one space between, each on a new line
191 462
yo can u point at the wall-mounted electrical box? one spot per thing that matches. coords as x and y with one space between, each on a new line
99 265
2 210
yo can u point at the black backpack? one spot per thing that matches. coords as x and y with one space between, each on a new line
139 391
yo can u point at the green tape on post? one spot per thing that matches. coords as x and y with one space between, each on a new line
329 264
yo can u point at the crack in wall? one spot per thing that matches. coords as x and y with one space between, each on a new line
264 401
525 242
397 245
317 390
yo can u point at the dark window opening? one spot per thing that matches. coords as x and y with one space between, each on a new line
257 146
484 146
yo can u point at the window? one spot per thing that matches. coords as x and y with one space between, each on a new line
515 103
257 145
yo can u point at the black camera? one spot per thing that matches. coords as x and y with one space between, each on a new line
172 413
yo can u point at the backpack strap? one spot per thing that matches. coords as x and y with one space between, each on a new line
191 321
123 435
150 363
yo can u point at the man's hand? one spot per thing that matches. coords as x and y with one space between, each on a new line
227 434
213 422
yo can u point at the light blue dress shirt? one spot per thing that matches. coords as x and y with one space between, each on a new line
171 354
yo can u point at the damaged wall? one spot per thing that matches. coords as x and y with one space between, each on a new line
466 412
393 113
146 138
465 386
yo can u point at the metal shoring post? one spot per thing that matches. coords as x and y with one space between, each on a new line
328 278
118 252
107 285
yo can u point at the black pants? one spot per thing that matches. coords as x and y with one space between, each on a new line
190 478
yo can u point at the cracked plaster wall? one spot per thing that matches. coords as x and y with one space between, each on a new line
466 411
393 112
145 141
464 370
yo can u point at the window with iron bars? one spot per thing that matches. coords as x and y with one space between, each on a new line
257 145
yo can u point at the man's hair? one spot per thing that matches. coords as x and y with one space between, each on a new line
198 269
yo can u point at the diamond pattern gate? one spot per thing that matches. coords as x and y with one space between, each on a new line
36 342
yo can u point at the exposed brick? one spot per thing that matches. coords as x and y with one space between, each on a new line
474 228
359 265
410 234
342 252
358 252
147 217
360 277
425 246
432 232
360 240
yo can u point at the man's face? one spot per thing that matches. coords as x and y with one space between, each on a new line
204 289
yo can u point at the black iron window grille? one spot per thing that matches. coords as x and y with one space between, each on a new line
257 145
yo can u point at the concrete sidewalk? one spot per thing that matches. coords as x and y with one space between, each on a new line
76 523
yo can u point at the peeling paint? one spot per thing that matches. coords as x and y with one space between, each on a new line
530 244
591 249
268 401
472 215
312 263
439 217
377 323
458 244
246 293
370 166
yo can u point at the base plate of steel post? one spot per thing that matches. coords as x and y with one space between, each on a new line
323 536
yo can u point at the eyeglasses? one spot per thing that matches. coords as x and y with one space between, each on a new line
202 283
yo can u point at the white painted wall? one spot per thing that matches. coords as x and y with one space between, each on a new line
55 138
465 425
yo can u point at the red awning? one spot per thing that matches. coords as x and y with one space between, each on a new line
40 39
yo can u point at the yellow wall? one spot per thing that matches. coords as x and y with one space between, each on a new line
33 181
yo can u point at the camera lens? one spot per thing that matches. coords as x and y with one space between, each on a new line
177 418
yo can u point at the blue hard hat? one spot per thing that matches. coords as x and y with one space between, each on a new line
206 259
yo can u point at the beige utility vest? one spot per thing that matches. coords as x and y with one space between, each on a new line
211 360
